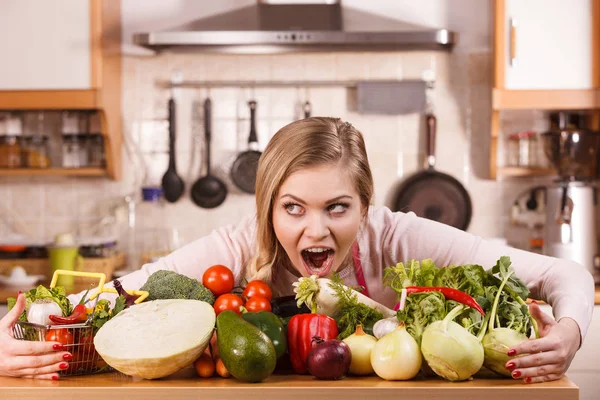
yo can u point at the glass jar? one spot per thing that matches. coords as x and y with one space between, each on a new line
71 150
528 149
35 152
512 154
96 150
10 151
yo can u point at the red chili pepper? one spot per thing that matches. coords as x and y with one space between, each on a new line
79 314
449 293
301 330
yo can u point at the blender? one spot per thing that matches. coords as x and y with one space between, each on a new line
572 199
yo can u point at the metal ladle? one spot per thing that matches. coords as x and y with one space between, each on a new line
208 191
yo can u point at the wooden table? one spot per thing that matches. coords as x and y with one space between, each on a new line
185 385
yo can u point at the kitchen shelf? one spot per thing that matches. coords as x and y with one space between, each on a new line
513 172
53 172
49 99
580 99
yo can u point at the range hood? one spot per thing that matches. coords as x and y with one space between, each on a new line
275 26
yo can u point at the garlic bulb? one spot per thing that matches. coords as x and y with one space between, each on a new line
384 326
39 311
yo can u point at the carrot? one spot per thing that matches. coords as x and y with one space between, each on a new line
214 345
221 370
205 366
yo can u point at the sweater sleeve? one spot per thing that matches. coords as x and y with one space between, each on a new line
232 246
567 286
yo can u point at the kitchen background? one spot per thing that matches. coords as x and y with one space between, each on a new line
43 207
38 208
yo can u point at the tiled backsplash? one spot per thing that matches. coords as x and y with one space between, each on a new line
462 98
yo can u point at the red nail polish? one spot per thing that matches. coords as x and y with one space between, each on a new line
67 357
63 366
516 374
512 352
57 346
510 366
534 302
19 293
54 377
528 380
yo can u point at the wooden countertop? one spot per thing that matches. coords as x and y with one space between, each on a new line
185 385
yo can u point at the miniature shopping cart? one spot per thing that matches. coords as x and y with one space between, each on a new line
78 338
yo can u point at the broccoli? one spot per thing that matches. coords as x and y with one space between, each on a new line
171 285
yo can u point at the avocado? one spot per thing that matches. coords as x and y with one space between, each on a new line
246 351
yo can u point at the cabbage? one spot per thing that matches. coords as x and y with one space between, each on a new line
450 350
156 338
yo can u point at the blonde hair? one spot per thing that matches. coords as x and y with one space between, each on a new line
304 143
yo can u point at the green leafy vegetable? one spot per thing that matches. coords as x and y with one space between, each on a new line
103 313
422 309
57 294
351 312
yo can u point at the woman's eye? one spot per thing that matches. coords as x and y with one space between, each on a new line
293 209
337 208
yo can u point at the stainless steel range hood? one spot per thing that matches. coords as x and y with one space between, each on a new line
274 26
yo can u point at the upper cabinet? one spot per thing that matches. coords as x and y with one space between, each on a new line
64 55
546 57
549 44
46 45
546 54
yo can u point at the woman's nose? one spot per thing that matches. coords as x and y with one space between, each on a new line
317 227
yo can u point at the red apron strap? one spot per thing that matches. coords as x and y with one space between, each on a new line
358 270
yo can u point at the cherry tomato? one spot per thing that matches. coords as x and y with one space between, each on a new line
62 336
257 288
218 279
228 301
258 303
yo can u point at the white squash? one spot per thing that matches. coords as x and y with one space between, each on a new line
157 338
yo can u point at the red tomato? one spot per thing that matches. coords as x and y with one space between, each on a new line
258 303
218 279
257 288
62 336
228 301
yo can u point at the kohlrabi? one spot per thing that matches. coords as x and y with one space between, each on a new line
499 340
450 350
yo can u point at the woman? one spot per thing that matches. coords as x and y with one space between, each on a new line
313 216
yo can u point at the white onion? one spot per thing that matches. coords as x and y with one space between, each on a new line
396 356
40 310
361 345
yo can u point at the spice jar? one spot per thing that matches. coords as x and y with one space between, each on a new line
523 150
35 152
71 151
10 151
96 150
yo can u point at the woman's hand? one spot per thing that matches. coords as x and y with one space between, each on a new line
27 359
548 357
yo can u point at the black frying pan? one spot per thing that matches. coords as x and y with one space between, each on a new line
432 194
243 170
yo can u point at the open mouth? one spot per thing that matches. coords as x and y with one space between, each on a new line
318 260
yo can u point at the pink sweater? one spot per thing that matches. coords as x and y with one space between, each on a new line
389 238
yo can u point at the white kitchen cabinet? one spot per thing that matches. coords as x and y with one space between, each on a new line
548 44
46 45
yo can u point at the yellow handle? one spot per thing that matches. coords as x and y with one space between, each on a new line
98 275
142 293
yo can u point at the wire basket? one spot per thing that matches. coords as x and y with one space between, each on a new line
78 338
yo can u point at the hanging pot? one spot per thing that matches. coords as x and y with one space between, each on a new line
434 195
243 170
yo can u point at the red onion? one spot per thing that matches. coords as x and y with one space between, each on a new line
329 359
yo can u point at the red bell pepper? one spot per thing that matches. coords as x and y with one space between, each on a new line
449 293
302 328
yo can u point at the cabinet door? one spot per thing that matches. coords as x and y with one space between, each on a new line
548 44
45 45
